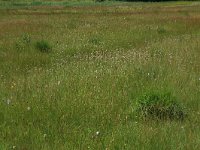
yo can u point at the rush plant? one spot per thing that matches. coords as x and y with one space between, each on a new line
160 105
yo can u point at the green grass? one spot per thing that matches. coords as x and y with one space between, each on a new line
83 93
160 106
65 3
9 4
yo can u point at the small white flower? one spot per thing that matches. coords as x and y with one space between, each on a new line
13 146
28 108
97 133
8 101
44 135
58 82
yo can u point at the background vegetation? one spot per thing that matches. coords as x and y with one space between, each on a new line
82 77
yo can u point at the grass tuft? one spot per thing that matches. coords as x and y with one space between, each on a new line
161 30
158 105
43 46
95 40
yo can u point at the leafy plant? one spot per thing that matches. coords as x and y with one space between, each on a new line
161 30
43 46
160 106
99 0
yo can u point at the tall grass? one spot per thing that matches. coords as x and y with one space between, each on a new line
83 94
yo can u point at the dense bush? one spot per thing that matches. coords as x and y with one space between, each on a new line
160 106
43 46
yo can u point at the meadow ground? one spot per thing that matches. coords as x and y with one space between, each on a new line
81 93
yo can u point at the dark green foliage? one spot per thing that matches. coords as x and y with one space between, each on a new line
36 3
43 46
161 30
99 0
160 106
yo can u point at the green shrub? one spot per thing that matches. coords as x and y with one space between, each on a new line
100 0
43 46
160 106
36 3
161 30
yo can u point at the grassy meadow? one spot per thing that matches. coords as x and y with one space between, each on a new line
71 74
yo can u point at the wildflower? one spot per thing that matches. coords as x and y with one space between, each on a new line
8 101
44 135
13 146
97 133
28 108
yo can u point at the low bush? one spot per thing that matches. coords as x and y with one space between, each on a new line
43 46
161 30
160 106
99 0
